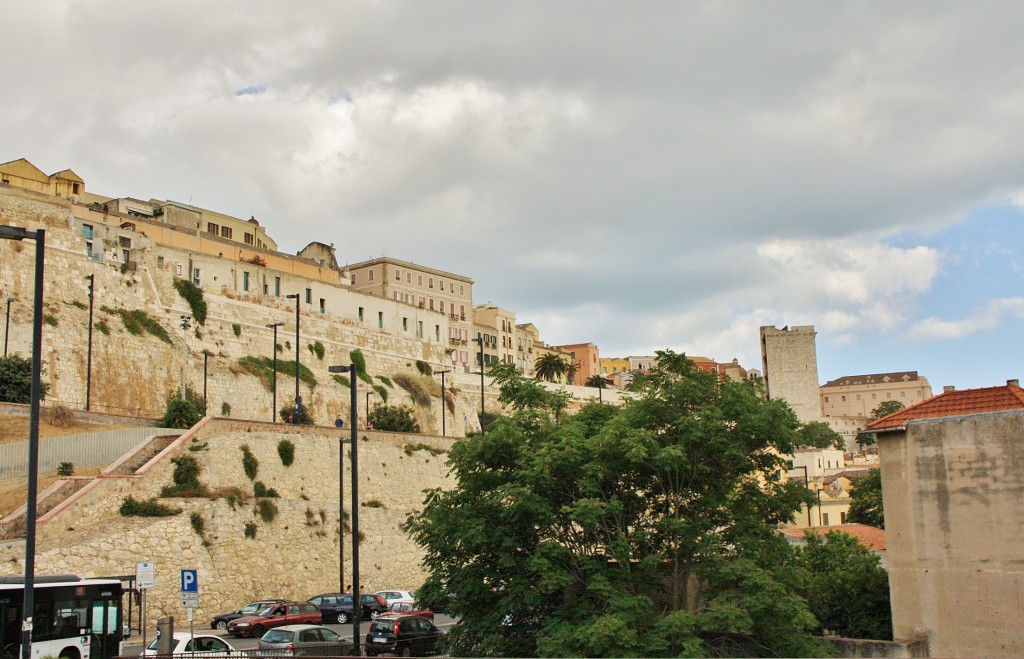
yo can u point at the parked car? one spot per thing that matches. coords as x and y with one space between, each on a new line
405 635
200 645
221 621
275 615
405 608
392 596
303 641
338 606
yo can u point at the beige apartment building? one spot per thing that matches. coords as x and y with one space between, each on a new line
497 328
526 336
428 289
21 173
847 402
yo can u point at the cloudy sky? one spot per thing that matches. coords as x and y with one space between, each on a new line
640 175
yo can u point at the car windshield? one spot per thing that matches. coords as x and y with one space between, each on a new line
382 626
249 609
277 636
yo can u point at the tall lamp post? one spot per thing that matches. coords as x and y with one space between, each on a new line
443 429
273 408
88 363
353 437
298 399
28 601
186 323
7 323
807 485
483 417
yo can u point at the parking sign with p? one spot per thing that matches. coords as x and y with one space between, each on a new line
189 581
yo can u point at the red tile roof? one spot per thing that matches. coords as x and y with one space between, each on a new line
956 403
868 536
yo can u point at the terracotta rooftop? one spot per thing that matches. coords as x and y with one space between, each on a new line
868 536
956 403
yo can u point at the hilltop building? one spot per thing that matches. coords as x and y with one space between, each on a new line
586 358
847 402
790 362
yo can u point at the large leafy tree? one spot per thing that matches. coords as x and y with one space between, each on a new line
846 587
550 367
599 381
866 500
885 408
818 434
645 530
16 380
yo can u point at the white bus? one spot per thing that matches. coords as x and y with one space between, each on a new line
73 619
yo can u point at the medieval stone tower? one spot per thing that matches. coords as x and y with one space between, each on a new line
790 363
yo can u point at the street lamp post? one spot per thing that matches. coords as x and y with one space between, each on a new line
28 601
443 429
273 408
298 399
7 323
186 322
807 485
353 437
88 363
483 417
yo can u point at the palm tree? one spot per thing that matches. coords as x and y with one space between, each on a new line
550 367
598 381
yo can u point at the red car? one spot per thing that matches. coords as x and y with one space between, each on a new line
407 609
275 615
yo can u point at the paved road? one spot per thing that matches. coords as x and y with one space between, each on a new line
133 646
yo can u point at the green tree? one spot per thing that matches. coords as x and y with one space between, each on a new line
393 418
866 500
550 367
16 380
598 381
521 393
645 530
846 586
302 417
185 413
819 434
885 408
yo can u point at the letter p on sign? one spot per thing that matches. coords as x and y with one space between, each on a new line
189 581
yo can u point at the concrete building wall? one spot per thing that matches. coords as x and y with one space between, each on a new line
858 396
953 491
790 362
587 359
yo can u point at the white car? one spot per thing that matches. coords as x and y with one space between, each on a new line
392 596
200 645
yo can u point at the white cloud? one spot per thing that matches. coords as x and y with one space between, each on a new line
983 319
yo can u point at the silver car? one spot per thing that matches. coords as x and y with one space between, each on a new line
303 641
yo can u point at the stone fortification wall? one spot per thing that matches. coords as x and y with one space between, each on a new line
293 556
134 375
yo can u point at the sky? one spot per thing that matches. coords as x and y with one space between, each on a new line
643 176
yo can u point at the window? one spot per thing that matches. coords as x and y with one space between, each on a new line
462 311
408 277
309 296
369 277
398 275
462 289
431 304
405 324
842 518
74 188
826 399
160 262
440 284
398 296
844 399
277 286
410 298
430 282
442 306
245 281
824 519
872 396
248 239
360 314
225 232
212 228
323 305
380 320
419 329
353 278
196 276
437 333
451 287
177 269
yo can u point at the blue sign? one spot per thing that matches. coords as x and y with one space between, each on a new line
189 581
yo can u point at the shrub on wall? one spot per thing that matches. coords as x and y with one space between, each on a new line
59 416
393 418
66 469
317 349
180 414
250 530
263 368
302 417
250 463
132 507
420 387
236 328
286 449
267 510
186 478
261 491
382 392
16 380
194 296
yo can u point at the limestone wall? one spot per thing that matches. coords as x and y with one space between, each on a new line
294 556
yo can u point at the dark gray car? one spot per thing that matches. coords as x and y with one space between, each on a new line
303 641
